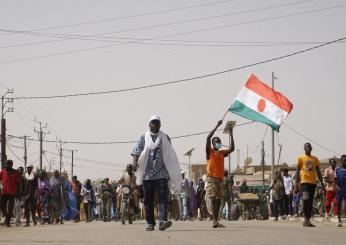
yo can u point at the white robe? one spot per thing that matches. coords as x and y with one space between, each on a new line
170 160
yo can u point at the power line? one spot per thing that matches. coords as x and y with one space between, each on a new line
311 140
88 160
121 142
165 36
65 37
185 79
258 146
133 16
14 154
182 43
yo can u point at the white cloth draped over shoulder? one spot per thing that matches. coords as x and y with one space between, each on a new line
170 159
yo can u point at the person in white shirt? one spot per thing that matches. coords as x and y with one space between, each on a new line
288 184
88 196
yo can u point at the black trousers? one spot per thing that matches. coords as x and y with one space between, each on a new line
287 204
30 206
7 206
308 192
160 187
277 206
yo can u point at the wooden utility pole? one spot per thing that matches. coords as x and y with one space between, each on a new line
25 154
60 155
41 135
273 137
4 101
72 160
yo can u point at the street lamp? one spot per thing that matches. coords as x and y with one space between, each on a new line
189 154
227 130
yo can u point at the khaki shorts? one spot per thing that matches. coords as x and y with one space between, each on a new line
215 188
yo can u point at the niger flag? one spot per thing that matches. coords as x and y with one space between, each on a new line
259 102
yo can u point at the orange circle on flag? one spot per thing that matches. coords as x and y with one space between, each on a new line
261 105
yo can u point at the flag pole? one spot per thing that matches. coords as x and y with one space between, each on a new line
224 115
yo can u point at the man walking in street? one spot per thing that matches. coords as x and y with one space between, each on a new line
308 167
58 196
183 196
329 176
30 195
226 198
76 189
158 170
288 195
340 182
106 194
10 182
89 199
215 171
18 203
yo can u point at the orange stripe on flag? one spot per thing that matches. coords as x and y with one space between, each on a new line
258 87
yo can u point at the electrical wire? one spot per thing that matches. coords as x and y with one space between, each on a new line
185 79
311 140
258 146
183 43
64 37
170 35
89 160
122 142
133 16
14 154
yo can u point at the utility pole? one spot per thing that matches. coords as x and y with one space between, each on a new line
72 161
60 155
3 124
262 163
273 136
72 164
41 135
247 156
25 154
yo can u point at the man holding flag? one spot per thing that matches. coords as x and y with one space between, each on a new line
215 171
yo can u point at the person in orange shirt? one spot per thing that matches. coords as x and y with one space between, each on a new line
215 171
308 168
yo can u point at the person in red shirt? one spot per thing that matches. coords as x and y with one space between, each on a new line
215 171
10 181
329 176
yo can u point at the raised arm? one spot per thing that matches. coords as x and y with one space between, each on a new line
231 149
210 135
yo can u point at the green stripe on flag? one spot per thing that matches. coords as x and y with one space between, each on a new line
244 111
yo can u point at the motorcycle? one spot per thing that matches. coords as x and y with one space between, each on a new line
127 204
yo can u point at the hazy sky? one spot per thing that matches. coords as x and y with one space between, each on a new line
80 46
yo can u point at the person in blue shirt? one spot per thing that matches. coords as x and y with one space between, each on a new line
340 181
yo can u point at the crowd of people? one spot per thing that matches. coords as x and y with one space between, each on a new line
161 191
